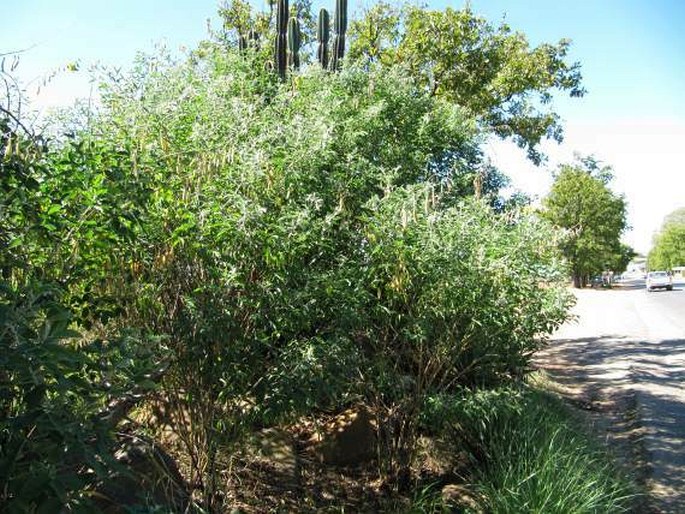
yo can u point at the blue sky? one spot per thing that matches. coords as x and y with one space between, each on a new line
631 51
632 54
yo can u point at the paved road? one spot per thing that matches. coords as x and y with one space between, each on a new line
624 358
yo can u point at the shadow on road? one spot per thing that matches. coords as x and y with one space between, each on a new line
633 391
628 287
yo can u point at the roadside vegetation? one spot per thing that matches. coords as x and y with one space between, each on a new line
593 218
541 459
668 249
227 253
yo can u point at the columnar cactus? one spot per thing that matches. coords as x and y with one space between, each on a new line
323 35
253 38
280 54
339 27
294 43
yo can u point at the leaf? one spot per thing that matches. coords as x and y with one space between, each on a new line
35 484
49 506
53 209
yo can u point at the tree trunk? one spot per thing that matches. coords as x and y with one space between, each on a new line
577 280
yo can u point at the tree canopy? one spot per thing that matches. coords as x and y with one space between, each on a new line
491 70
668 249
594 217
677 217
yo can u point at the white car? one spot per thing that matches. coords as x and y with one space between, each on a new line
659 280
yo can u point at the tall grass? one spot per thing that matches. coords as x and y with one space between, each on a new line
538 459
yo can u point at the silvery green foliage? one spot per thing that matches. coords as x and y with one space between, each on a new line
295 250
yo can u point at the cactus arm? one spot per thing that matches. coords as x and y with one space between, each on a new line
294 39
340 28
323 35
281 54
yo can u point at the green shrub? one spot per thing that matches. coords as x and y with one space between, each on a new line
299 245
56 426
60 395
461 297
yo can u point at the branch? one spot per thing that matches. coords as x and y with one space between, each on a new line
120 407
17 121
16 52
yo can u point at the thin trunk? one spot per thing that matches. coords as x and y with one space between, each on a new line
577 280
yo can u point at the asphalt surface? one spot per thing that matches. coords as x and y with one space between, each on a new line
623 357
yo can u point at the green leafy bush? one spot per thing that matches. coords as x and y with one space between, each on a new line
299 245
61 396
462 297
56 402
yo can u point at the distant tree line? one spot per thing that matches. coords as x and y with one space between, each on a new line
668 249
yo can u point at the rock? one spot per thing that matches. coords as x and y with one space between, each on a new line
151 477
438 457
348 439
277 447
460 496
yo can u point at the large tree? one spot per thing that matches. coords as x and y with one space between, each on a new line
594 217
668 250
677 216
490 70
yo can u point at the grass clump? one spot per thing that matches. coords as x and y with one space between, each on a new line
537 458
